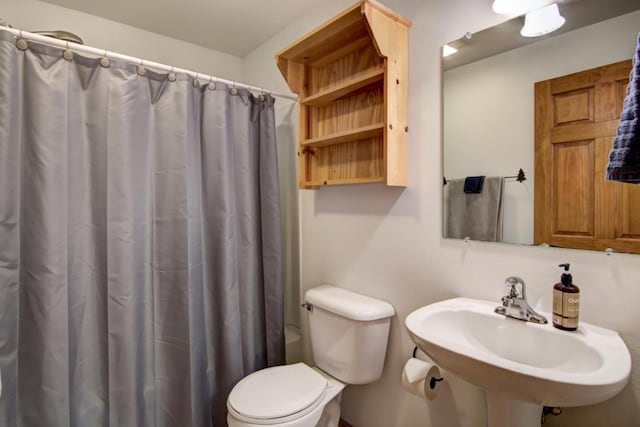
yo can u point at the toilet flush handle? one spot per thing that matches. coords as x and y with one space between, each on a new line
306 305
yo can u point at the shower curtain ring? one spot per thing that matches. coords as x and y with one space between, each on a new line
171 76
21 43
212 84
104 61
141 70
67 54
195 82
233 90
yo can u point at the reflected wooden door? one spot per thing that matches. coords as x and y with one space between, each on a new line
576 118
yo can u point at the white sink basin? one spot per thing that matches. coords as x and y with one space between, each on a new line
531 362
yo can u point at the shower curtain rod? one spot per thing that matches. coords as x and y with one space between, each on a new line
155 65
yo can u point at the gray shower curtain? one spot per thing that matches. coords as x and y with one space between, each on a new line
140 253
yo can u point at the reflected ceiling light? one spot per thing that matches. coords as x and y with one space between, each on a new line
448 50
516 7
542 21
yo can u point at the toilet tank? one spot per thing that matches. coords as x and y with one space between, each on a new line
349 333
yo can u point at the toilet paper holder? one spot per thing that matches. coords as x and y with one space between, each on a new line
433 381
421 376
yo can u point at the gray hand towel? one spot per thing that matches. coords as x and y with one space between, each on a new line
475 215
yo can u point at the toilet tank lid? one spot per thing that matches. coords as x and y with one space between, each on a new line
348 304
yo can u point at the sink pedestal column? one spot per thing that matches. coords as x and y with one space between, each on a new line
503 411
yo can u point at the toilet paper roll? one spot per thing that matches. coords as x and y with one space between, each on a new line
417 378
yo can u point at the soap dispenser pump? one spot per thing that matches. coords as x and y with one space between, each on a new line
566 302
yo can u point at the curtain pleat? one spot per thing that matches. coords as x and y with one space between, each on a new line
140 248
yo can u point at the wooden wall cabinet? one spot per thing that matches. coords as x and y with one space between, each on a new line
351 76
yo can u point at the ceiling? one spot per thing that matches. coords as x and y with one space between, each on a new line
238 27
232 26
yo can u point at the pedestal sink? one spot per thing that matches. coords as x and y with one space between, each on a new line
521 365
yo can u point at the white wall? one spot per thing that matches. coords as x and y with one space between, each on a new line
494 99
387 243
31 15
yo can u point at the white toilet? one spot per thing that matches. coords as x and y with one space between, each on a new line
349 334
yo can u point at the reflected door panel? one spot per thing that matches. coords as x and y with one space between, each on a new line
575 123
572 192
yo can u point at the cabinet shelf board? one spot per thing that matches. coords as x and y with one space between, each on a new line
368 180
346 136
338 91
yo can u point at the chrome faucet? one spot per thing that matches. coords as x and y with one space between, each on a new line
514 303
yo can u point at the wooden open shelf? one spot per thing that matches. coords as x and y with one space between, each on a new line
351 75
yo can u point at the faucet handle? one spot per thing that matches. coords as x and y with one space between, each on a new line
515 287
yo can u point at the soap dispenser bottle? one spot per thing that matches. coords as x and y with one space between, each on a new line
566 302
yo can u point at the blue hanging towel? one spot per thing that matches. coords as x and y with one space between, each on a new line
473 184
624 159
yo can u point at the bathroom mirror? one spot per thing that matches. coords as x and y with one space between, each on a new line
488 101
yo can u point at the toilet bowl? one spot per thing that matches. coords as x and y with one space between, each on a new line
288 396
349 334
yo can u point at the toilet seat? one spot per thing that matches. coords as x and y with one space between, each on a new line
277 395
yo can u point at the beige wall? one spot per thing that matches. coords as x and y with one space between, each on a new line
494 99
386 242
110 35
